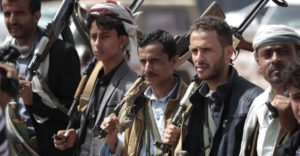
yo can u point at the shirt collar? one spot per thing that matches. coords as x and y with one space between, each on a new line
106 78
149 94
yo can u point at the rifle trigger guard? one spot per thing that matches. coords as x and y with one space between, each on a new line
281 3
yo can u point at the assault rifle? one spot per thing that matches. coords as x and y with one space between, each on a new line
238 40
53 29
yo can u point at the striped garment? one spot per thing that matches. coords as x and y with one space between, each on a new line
3 141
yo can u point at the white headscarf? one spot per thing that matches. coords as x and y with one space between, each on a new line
122 13
275 33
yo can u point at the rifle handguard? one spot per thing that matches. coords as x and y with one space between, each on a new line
127 112
125 108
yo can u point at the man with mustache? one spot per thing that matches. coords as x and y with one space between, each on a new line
157 54
221 103
270 118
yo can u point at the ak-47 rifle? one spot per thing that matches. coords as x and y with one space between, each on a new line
238 40
60 21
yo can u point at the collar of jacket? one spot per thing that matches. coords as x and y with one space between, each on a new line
173 101
223 90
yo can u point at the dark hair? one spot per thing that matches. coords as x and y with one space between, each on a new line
210 23
106 22
34 5
292 75
162 37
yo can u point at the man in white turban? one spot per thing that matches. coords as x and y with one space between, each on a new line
270 119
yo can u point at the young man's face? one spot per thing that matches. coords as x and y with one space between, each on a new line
156 66
18 18
274 59
294 94
209 58
106 44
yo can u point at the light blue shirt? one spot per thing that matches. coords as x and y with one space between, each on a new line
159 107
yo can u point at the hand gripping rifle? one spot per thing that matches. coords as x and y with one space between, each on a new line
60 21
238 40
127 103
180 115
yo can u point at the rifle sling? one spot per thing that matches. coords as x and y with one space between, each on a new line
85 96
151 127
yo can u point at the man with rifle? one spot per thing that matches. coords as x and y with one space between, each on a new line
158 58
112 32
221 102
46 99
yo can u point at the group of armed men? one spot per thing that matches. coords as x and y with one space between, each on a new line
225 115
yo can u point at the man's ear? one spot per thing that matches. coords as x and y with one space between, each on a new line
123 41
174 60
37 16
229 50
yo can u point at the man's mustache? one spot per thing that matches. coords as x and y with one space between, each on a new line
278 66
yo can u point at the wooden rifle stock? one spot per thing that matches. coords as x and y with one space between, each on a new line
73 112
136 87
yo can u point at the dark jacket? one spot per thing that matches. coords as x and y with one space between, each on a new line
236 95
63 78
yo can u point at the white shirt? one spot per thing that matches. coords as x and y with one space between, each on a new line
268 128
